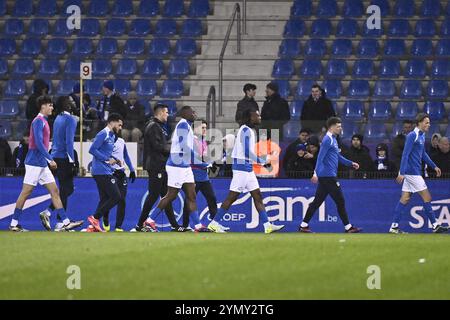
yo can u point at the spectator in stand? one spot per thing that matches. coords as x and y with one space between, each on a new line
265 148
134 126
316 110
398 143
275 111
20 152
291 151
223 169
75 98
433 149
382 162
442 157
304 162
111 102
6 159
247 103
40 88
360 154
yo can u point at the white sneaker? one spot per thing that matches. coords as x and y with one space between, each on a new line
273 228
216 227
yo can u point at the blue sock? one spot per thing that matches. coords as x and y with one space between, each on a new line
61 213
154 213
429 212
194 217
17 213
264 218
219 215
398 212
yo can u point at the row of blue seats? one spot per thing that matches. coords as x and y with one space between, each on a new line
113 28
101 8
356 8
364 68
57 47
351 28
360 89
171 88
152 68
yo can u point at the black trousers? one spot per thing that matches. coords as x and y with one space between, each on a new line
108 190
157 187
122 183
64 175
328 186
207 190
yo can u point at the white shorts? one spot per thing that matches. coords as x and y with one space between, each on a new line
413 184
243 181
35 175
176 176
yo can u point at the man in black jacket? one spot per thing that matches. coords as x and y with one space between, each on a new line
316 110
247 103
156 152
40 88
111 102
135 124
304 162
275 111
359 153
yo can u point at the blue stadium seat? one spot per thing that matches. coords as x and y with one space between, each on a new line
185 48
437 89
72 67
31 47
389 68
68 3
430 8
284 88
171 104
140 28
2 7
434 128
65 87
315 47
134 47
60 29
342 47
421 47
82 47
148 8
359 89
371 33
147 107
7 47
406 110
296 109
198 8
447 10
122 8
146 88
23 8
56 47
425 28
90 27
173 8
289 48
159 47
347 28
166 28
384 6
411 89
440 69
349 128
38 28
368 48
46 8
9 108
397 128
94 87
301 8
445 28
172 89
178 68
49 68
443 47
101 68
399 28
380 110
311 68
375 131
321 28
23 68
294 28
107 47
353 110
115 28
303 90
5 129
416 68
122 86
336 68
327 8
384 89
447 132
353 8
291 129
192 28
404 8
15 88
13 27
3 67
152 68
435 109
394 47
363 68
98 8
283 68
333 88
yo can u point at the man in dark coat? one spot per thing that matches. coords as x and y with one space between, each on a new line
316 110
111 102
291 151
275 111
247 103
40 87
359 153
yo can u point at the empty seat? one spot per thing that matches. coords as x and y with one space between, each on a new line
49 67
434 128
284 88
445 27
7 47
148 8
283 68
301 8
294 28
399 28
146 88
178 68
296 108
192 28
123 8
406 110
82 46
147 107
56 47
315 47
9 108
327 8
342 47
2 7
347 28
443 47
430 8
380 110
46 8
23 8
13 27
397 128
353 8
333 88
303 90
371 32
166 28
65 87
384 6
336 68
289 48
171 105
122 86
321 28
425 28
31 47
115 28
384 89
349 128
363 68
159 47
173 8
404 8
375 131
421 47
98 8
394 47
101 68
94 87
3 67
107 47
72 67
440 69
186 47
447 10
5 129
291 129
15 88
90 28
38 28
389 68
437 89
152 68
353 110
139 28
311 68
172 89
23 68
134 47
359 88
411 89
368 48
198 8
435 109
60 28
416 68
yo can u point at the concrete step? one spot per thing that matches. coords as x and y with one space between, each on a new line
282 8
248 48
268 27
236 68
230 88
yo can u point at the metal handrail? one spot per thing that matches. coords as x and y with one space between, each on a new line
244 16
211 107
236 13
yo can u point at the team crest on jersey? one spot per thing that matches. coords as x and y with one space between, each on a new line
113 180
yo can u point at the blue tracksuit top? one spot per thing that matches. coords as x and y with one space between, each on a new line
64 130
329 157
413 154
101 150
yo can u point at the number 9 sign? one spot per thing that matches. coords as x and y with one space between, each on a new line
86 70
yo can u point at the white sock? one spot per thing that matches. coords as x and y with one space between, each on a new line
198 226
66 221
47 212
348 227
266 225
394 225
304 224
14 223
435 225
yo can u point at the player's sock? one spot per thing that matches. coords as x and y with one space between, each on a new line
430 213
195 219
400 208
304 224
264 219
219 215
266 225
15 219
154 213
61 212
348 226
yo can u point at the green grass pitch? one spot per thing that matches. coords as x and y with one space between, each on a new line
224 266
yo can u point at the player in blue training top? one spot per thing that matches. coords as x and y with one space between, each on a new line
411 175
325 173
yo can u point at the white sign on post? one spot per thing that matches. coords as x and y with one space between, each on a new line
86 70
